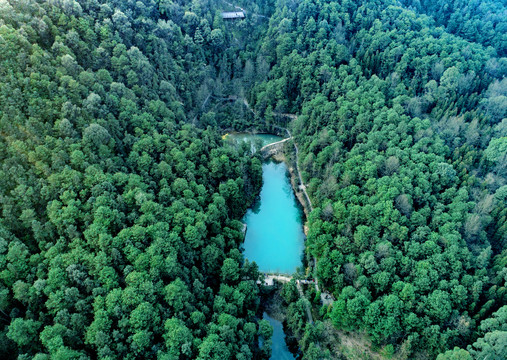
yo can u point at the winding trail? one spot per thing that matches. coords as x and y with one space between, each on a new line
202 107
302 185
325 297
307 302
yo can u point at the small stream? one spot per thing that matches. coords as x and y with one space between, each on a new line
279 350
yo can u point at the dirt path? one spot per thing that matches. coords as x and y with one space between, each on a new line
307 303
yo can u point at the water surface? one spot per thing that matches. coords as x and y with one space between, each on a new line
279 351
265 139
274 237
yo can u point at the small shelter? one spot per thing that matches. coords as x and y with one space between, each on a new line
233 15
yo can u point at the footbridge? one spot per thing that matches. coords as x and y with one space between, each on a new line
269 280
273 148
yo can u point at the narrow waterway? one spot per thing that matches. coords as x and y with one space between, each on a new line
279 350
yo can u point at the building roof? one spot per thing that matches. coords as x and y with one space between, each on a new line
233 15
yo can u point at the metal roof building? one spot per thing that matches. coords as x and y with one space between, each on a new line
233 15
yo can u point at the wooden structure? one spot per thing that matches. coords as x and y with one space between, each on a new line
233 15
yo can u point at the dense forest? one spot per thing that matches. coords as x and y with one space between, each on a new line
403 137
120 234
119 230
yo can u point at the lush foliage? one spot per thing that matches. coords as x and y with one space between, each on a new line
483 22
119 232
402 136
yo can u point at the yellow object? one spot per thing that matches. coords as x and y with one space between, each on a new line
225 136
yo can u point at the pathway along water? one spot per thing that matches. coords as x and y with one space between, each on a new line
274 237
265 139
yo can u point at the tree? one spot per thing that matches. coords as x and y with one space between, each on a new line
213 349
438 305
493 345
455 354
216 39
24 332
178 338
177 295
96 135
230 271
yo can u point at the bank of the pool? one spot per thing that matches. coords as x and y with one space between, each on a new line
274 237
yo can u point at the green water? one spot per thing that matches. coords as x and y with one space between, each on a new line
279 350
274 237
265 139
